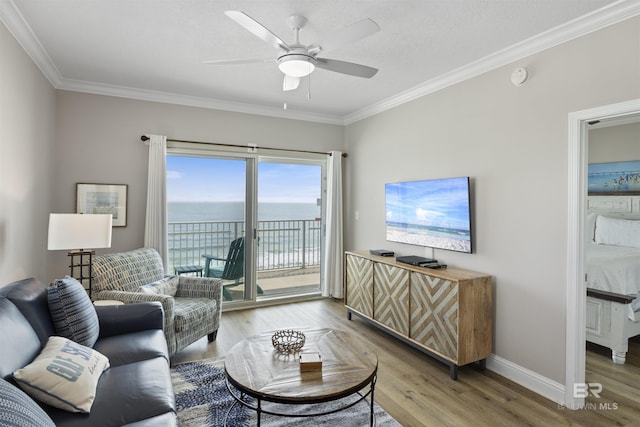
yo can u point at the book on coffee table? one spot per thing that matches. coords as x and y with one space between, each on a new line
310 361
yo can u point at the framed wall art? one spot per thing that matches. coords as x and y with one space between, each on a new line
103 199
614 179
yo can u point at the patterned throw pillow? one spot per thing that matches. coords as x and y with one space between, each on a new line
165 286
17 409
65 375
72 312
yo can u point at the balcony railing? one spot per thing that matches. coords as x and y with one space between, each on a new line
282 244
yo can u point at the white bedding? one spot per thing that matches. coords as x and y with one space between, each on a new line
615 269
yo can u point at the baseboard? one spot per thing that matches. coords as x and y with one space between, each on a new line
535 382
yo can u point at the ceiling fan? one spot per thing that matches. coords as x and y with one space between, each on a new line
296 60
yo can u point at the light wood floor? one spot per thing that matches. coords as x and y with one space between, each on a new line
416 390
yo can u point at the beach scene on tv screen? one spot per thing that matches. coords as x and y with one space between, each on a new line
432 213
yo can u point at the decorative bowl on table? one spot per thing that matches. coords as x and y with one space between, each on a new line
288 341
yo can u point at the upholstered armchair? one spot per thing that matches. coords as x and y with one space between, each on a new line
192 305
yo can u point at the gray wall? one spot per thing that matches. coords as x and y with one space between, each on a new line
615 143
512 142
27 120
98 141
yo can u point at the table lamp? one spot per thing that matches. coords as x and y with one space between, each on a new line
80 234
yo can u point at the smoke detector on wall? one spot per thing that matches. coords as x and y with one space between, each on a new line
519 76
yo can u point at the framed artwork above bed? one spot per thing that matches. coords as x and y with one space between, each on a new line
614 179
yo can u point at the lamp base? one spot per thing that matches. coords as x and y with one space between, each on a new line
80 267
81 252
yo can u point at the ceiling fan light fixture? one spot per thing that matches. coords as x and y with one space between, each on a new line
296 65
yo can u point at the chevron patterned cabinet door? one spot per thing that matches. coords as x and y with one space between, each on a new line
391 297
434 314
359 280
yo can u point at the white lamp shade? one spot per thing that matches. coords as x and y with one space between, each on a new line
79 231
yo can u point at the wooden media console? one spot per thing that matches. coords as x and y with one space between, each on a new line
446 313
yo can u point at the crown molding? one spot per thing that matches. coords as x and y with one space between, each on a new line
194 101
607 16
21 31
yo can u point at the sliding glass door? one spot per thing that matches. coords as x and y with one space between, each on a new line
289 227
255 222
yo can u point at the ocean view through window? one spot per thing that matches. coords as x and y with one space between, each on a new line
207 209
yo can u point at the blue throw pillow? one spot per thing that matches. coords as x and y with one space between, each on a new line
17 409
72 312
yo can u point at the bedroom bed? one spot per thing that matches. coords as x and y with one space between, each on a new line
613 283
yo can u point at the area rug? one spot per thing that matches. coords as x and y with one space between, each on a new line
202 400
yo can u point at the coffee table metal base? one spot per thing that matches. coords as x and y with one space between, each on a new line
243 399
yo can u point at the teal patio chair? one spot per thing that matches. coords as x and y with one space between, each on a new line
231 270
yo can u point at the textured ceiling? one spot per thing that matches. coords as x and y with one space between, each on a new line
154 49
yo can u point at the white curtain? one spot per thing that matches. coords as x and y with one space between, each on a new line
155 230
332 265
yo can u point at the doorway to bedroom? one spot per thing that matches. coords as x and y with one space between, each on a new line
600 370
613 203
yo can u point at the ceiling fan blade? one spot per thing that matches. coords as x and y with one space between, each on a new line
344 67
290 83
257 29
237 61
350 34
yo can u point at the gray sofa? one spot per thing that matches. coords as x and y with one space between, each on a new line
135 391
192 312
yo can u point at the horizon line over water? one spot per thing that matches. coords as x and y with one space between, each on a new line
234 211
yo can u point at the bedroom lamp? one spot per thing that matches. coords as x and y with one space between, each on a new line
80 234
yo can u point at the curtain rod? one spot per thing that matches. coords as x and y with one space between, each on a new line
146 138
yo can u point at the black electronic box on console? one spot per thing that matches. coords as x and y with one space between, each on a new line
418 261
381 252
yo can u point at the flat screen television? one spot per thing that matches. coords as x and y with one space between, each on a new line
434 213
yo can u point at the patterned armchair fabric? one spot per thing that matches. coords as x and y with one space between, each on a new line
192 313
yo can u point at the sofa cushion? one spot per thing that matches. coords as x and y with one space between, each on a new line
65 375
30 296
124 319
165 286
72 311
20 343
133 347
126 394
165 420
17 409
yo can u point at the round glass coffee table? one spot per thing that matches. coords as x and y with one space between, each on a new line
254 369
